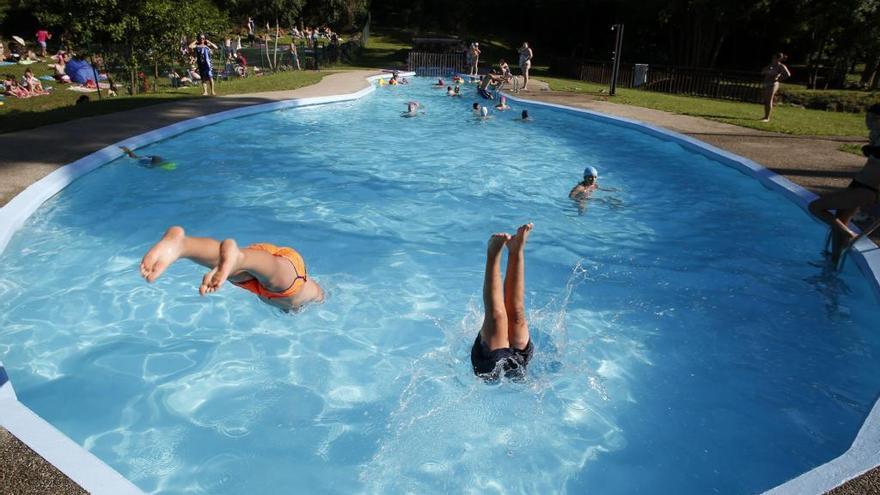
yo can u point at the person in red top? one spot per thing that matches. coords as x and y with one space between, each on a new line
42 37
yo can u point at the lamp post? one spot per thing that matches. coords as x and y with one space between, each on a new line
615 56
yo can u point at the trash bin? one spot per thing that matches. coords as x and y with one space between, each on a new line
640 75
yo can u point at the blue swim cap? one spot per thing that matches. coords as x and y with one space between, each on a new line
591 172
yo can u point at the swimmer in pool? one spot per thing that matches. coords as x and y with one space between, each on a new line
277 275
484 113
475 109
440 83
457 90
503 344
412 109
149 161
449 91
583 190
502 106
524 116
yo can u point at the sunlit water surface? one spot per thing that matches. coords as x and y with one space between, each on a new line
687 341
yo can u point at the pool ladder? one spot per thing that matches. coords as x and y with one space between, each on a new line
865 233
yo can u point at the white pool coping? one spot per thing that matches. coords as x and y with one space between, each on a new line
864 453
96 477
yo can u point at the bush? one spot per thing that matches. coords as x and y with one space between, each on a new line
829 100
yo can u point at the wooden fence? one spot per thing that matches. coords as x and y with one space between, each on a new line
711 83
437 64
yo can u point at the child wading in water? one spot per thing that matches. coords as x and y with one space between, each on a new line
503 343
276 274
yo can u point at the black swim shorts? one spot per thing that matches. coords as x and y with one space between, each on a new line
858 185
513 361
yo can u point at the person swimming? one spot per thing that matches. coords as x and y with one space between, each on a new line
440 83
412 109
524 116
149 161
457 91
502 106
484 113
582 190
503 345
449 91
475 108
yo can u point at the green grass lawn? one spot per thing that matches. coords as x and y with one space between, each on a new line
59 106
788 120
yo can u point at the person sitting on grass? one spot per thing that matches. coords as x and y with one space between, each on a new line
202 48
862 192
503 345
32 84
277 275
12 88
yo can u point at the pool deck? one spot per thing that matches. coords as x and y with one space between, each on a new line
813 162
27 156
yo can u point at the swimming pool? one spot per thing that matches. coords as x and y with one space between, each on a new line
685 338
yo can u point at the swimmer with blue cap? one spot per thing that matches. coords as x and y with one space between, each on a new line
582 190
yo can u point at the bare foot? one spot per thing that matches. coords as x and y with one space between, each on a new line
162 254
518 241
497 242
230 258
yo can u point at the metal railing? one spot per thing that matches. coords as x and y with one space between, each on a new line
693 81
436 64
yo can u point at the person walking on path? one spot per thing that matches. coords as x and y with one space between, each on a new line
525 63
773 74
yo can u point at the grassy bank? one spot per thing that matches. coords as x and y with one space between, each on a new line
59 106
788 120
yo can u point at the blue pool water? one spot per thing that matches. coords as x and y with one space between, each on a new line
686 340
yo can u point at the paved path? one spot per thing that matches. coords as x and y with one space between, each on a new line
29 155
813 162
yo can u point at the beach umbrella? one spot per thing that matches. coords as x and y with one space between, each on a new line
19 40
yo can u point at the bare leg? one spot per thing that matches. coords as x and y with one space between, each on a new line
842 201
525 71
514 289
211 83
204 88
494 330
225 259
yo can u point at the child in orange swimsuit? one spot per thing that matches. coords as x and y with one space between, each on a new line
277 275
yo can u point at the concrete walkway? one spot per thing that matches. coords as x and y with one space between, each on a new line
814 162
29 155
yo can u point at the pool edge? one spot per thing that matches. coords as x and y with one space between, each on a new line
72 459
864 452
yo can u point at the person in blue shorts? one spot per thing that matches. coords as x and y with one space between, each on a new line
503 345
202 49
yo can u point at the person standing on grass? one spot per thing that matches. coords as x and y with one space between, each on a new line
202 49
251 28
862 192
773 74
42 37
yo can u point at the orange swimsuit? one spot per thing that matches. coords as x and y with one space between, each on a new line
287 253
